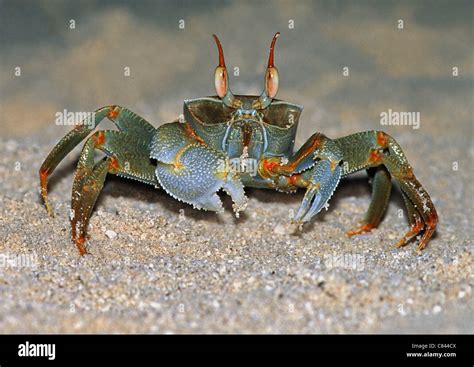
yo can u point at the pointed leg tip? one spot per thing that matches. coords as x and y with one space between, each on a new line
49 209
400 244
420 247
298 223
80 241
44 196
364 228
404 241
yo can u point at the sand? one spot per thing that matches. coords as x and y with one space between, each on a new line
156 265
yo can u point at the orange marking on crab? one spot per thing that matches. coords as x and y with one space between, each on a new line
293 180
408 173
375 156
99 138
267 167
432 219
298 181
416 228
431 223
290 167
114 164
270 165
334 165
192 133
44 173
43 177
113 112
80 245
177 164
382 139
362 229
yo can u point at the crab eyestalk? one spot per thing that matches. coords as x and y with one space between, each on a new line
221 80
271 79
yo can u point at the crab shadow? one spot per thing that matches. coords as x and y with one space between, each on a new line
118 187
156 199
352 186
356 186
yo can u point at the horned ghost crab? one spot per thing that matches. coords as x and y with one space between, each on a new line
230 142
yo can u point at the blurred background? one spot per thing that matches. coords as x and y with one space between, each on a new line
73 54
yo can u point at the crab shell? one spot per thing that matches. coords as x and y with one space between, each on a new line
212 121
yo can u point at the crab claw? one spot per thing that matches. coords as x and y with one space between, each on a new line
193 172
323 179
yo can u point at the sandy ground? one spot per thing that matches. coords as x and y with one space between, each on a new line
158 266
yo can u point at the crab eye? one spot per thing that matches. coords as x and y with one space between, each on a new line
271 79
271 82
271 75
221 81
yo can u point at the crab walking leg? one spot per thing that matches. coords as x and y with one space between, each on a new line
124 119
375 148
422 203
85 193
193 172
65 145
381 187
415 220
127 156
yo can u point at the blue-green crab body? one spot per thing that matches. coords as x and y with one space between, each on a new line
228 147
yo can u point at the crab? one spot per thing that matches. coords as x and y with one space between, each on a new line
228 142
